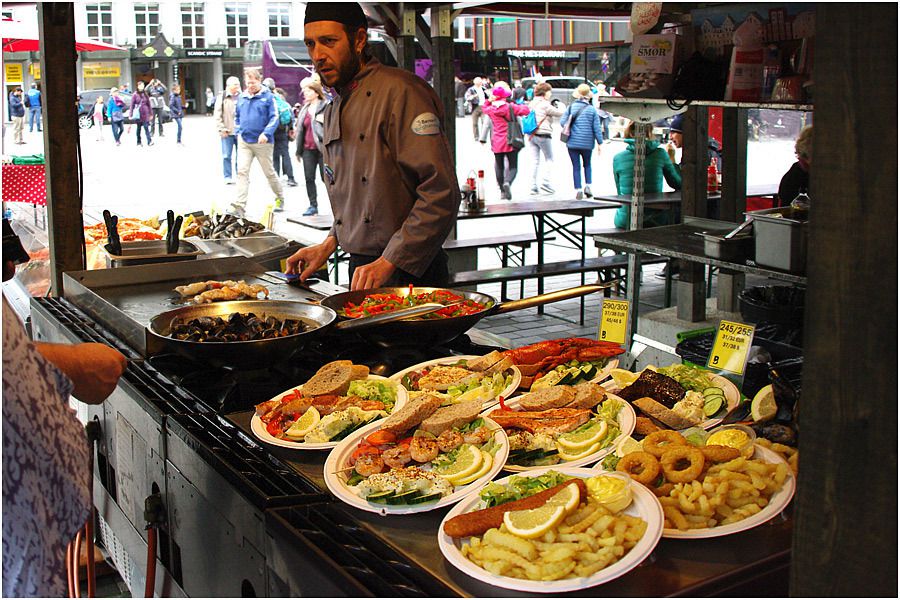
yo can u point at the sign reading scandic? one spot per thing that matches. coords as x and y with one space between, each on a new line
192 53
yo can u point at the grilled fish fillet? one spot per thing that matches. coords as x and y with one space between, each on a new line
553 421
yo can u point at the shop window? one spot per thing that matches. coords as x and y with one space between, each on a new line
279 19
237 19
146 23
193 32
99 21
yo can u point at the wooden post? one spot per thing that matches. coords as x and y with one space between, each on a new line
845 533
444 71
57 35
690 289
734 165
406 40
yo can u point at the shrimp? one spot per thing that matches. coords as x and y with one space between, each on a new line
450 440
396 457
478 436
369 464
423 449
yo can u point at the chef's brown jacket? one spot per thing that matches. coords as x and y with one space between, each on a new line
388 168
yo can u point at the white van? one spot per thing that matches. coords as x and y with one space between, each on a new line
563 86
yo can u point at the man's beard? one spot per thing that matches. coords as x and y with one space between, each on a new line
348 71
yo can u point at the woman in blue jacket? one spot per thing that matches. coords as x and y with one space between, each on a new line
176 108
584 130
115 114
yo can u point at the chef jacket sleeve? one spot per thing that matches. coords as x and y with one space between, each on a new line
422 153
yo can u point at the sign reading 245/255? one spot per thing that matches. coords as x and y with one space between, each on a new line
729 353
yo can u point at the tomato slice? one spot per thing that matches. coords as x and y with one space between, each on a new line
381 437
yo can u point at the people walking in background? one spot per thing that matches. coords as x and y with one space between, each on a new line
310 131
141 113
157 93
17 113
176 108
210 101
97 112
281 155
226 102
255 121
33 102
540 141
584 130
476 96
605 117
506 158
114 108
519 95
459 92
657 166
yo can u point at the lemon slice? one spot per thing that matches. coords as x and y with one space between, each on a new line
467 462
623 377
579 455
575 442
627 446
763 406
304 424
535 522
569 497
486 463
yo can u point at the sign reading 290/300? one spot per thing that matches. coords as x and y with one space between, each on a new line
731 347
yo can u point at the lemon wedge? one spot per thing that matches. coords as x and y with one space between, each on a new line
569 497
304 424
536 522
467 462
623 378
763 406
627 446
487 461
575 442
578 455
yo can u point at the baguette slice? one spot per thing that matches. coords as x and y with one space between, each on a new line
411 414
662 414
359 372
547 398
502 365
456 415
333 378
587 395
482 363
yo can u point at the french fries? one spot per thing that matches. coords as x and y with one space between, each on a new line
728 493
586 541
791 455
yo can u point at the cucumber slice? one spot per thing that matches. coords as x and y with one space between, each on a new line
588 372
713 391
403 498
380 497
424 499
713 405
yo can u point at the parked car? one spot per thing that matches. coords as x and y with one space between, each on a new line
563 86
87 98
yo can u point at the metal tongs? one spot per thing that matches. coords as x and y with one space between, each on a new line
738 229
114 246
173 235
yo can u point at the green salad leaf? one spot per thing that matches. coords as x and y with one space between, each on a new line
519 487
690 377
374 390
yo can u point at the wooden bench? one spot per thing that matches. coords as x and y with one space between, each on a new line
501 244
607 267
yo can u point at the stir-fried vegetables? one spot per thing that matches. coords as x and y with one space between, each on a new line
374 304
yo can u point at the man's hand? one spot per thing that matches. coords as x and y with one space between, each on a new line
93 368
263 139
670 148
307 261
224 134
372 275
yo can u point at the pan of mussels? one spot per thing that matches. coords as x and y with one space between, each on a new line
253 334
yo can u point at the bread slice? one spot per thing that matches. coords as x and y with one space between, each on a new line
662 414
359 372
455 415
411 414
502 365
333 378
587 395
547 398
482 363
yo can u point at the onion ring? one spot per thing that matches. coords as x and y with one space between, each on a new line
640 466
653 442
663 490
719 454
671 464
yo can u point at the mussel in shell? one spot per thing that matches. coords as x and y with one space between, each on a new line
237 327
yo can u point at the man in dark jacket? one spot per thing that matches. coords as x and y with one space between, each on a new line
34 108
157 92
17 112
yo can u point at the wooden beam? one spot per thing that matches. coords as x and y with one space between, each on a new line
423 33
734 164
66 229
845 510
444 71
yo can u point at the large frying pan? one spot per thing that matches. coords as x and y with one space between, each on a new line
259 353
433 332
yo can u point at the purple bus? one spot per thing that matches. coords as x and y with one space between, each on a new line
285 60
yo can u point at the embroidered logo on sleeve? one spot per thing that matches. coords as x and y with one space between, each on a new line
426 124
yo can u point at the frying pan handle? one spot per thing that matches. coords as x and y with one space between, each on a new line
557 296
390 317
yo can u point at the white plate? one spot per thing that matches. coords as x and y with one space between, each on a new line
510 390
338 459
259 428
626 418
645 505
777 503
732 397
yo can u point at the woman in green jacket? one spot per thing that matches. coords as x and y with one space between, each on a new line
657 166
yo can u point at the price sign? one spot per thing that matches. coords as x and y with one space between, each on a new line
731 347
614 322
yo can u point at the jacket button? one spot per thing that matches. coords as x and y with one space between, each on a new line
362 136
338 222
367 220
364 180
369 93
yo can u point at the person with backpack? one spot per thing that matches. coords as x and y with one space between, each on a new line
156 91
476 97
581 128
115 113
540 140
502 113
281 157
33 102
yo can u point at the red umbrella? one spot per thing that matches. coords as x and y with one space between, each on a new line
23 37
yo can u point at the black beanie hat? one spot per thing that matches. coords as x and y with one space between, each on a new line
348 13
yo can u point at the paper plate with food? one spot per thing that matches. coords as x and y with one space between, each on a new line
552 531
338 400
722 485
565 361
575 425
458 379
676 397
424 456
